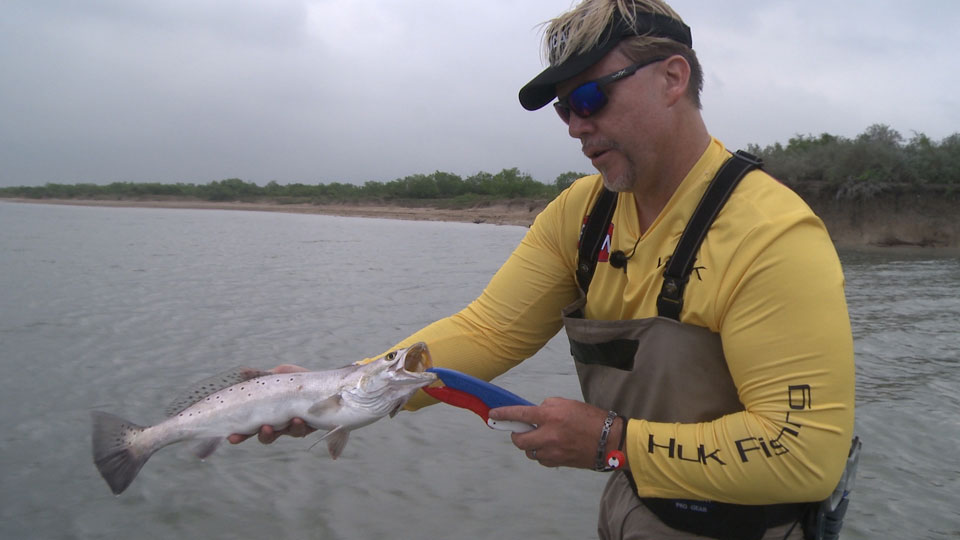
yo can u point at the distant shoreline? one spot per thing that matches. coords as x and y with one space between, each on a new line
914 221
519 213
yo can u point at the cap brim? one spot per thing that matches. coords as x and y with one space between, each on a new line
543 88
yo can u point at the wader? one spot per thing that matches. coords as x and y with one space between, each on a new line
663 370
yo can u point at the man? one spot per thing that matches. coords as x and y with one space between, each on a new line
732 399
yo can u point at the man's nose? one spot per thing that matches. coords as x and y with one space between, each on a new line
578 127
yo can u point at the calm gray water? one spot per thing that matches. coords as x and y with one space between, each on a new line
119 309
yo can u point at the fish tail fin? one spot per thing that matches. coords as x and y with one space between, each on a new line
115 452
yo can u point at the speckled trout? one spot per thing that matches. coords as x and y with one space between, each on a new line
243 399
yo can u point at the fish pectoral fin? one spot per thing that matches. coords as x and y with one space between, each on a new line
337 437
205 447
336 440
328 406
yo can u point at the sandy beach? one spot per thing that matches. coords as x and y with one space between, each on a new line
519 212
918 222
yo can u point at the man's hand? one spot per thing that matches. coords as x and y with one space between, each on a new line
567 434
267 434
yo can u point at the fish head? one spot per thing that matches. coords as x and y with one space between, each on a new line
394 377
412 361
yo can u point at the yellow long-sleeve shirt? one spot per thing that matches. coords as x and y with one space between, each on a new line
767 280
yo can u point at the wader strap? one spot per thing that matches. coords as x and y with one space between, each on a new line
680 264
593 235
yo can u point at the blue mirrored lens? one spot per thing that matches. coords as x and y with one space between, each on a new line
587 99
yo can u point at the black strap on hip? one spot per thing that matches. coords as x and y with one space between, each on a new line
680 265
723 521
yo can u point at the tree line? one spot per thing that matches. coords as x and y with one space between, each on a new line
507 184
868 163
876 160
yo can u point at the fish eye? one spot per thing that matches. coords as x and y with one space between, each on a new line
392 355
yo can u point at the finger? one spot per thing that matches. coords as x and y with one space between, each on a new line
298 428
267 435
288 368
528 441
519 413
237 438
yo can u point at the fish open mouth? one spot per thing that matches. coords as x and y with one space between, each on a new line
417 359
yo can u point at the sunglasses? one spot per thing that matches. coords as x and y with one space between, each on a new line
588 98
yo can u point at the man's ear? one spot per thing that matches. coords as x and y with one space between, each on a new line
677 73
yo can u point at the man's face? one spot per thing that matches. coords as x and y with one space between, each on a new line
620 138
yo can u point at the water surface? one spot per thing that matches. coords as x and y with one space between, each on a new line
118 309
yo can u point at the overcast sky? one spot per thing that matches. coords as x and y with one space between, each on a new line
354 90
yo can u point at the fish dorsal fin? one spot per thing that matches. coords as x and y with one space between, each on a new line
212 385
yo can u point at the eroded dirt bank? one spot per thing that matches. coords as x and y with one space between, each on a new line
907 217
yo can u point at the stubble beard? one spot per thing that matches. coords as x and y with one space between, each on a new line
618 183
621 181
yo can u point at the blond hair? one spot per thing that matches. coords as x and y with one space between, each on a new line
583 27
